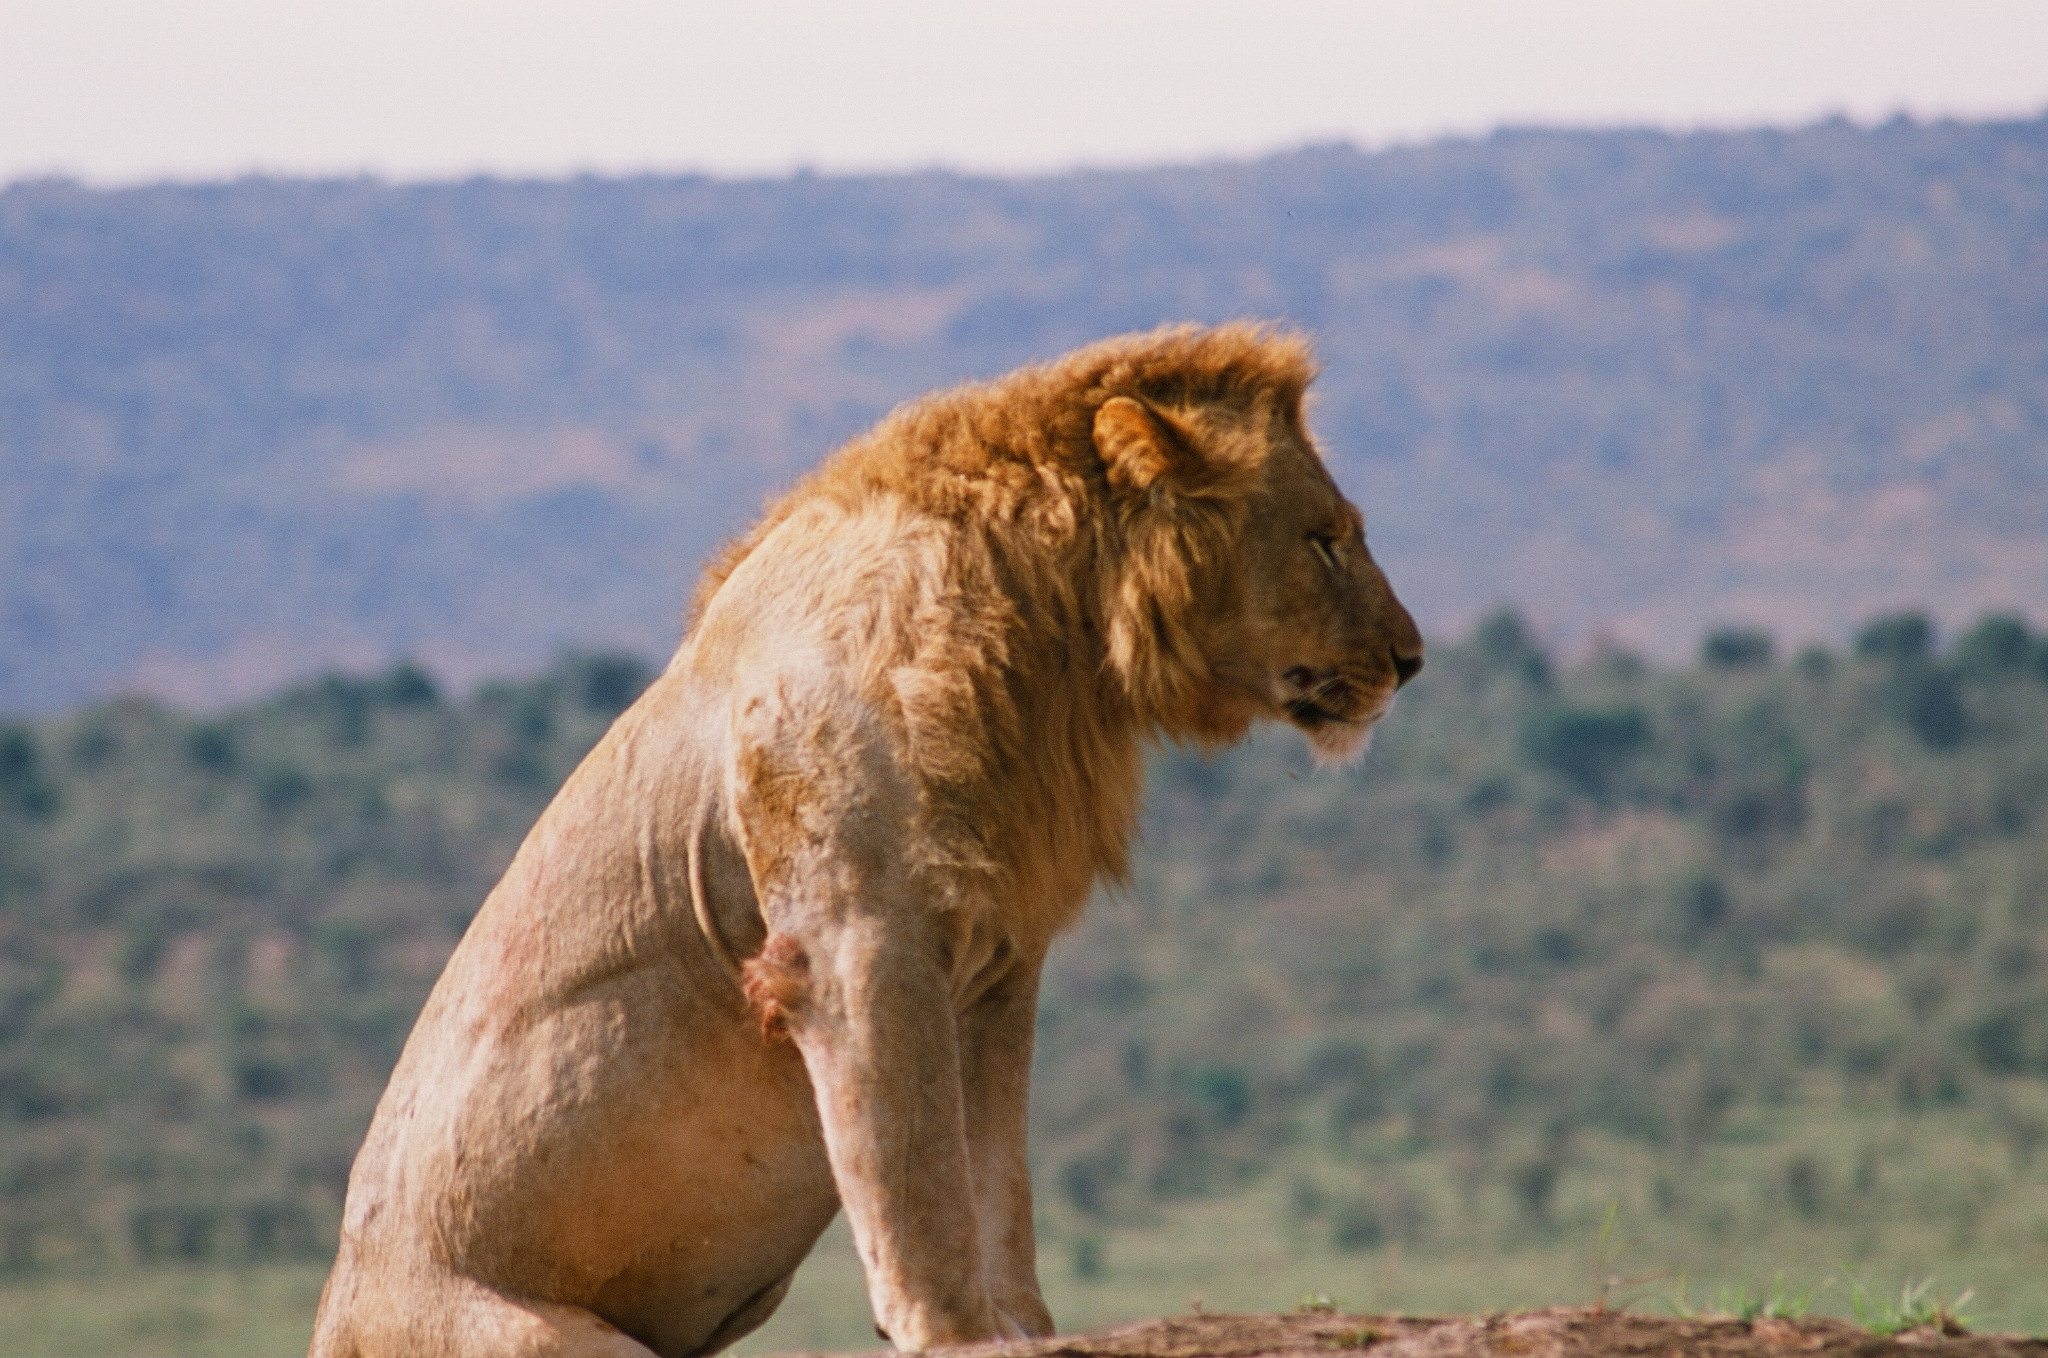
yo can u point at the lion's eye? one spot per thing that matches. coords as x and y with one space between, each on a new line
1325 548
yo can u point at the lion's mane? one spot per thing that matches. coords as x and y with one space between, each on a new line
1035 561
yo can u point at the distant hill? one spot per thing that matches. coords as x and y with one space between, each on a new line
1637 381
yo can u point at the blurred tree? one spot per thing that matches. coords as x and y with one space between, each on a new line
1896 637
1997 645
1735 648
1504 644
1589 746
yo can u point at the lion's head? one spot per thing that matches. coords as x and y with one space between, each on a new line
1248 590
1236 583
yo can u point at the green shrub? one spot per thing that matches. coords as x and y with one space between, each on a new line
1737 648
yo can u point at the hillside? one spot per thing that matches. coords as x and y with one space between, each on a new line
1751 953
1644 382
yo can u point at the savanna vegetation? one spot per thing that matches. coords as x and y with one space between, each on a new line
1592 977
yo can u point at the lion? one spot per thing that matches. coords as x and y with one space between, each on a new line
774 949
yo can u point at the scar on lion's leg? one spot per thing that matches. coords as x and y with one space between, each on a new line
776 982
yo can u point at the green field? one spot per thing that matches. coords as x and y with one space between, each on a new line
1948 1206
1752 955
1238 1254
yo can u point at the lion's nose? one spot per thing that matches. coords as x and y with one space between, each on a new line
1406 667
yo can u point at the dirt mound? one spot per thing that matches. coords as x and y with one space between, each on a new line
1560 1332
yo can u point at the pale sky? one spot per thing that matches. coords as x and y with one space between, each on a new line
120 91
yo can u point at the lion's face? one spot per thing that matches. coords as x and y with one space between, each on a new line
1247 541
1314 635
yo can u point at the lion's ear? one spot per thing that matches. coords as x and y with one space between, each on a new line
1140 446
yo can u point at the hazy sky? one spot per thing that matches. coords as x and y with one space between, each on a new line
126 90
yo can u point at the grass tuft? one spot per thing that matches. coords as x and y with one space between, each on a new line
1775 1302
1918 1307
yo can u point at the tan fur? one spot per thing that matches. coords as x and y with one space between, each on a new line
899 745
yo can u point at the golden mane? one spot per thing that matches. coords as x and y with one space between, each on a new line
1040 415
1073 621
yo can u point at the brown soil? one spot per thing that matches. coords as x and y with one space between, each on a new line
1560 1332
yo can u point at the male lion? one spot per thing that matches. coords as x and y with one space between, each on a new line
775 947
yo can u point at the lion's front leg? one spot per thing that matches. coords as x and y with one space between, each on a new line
873 1020
996 1035
857 971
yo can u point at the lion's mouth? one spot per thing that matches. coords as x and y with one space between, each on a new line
1311 715
1319 698
1336 713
